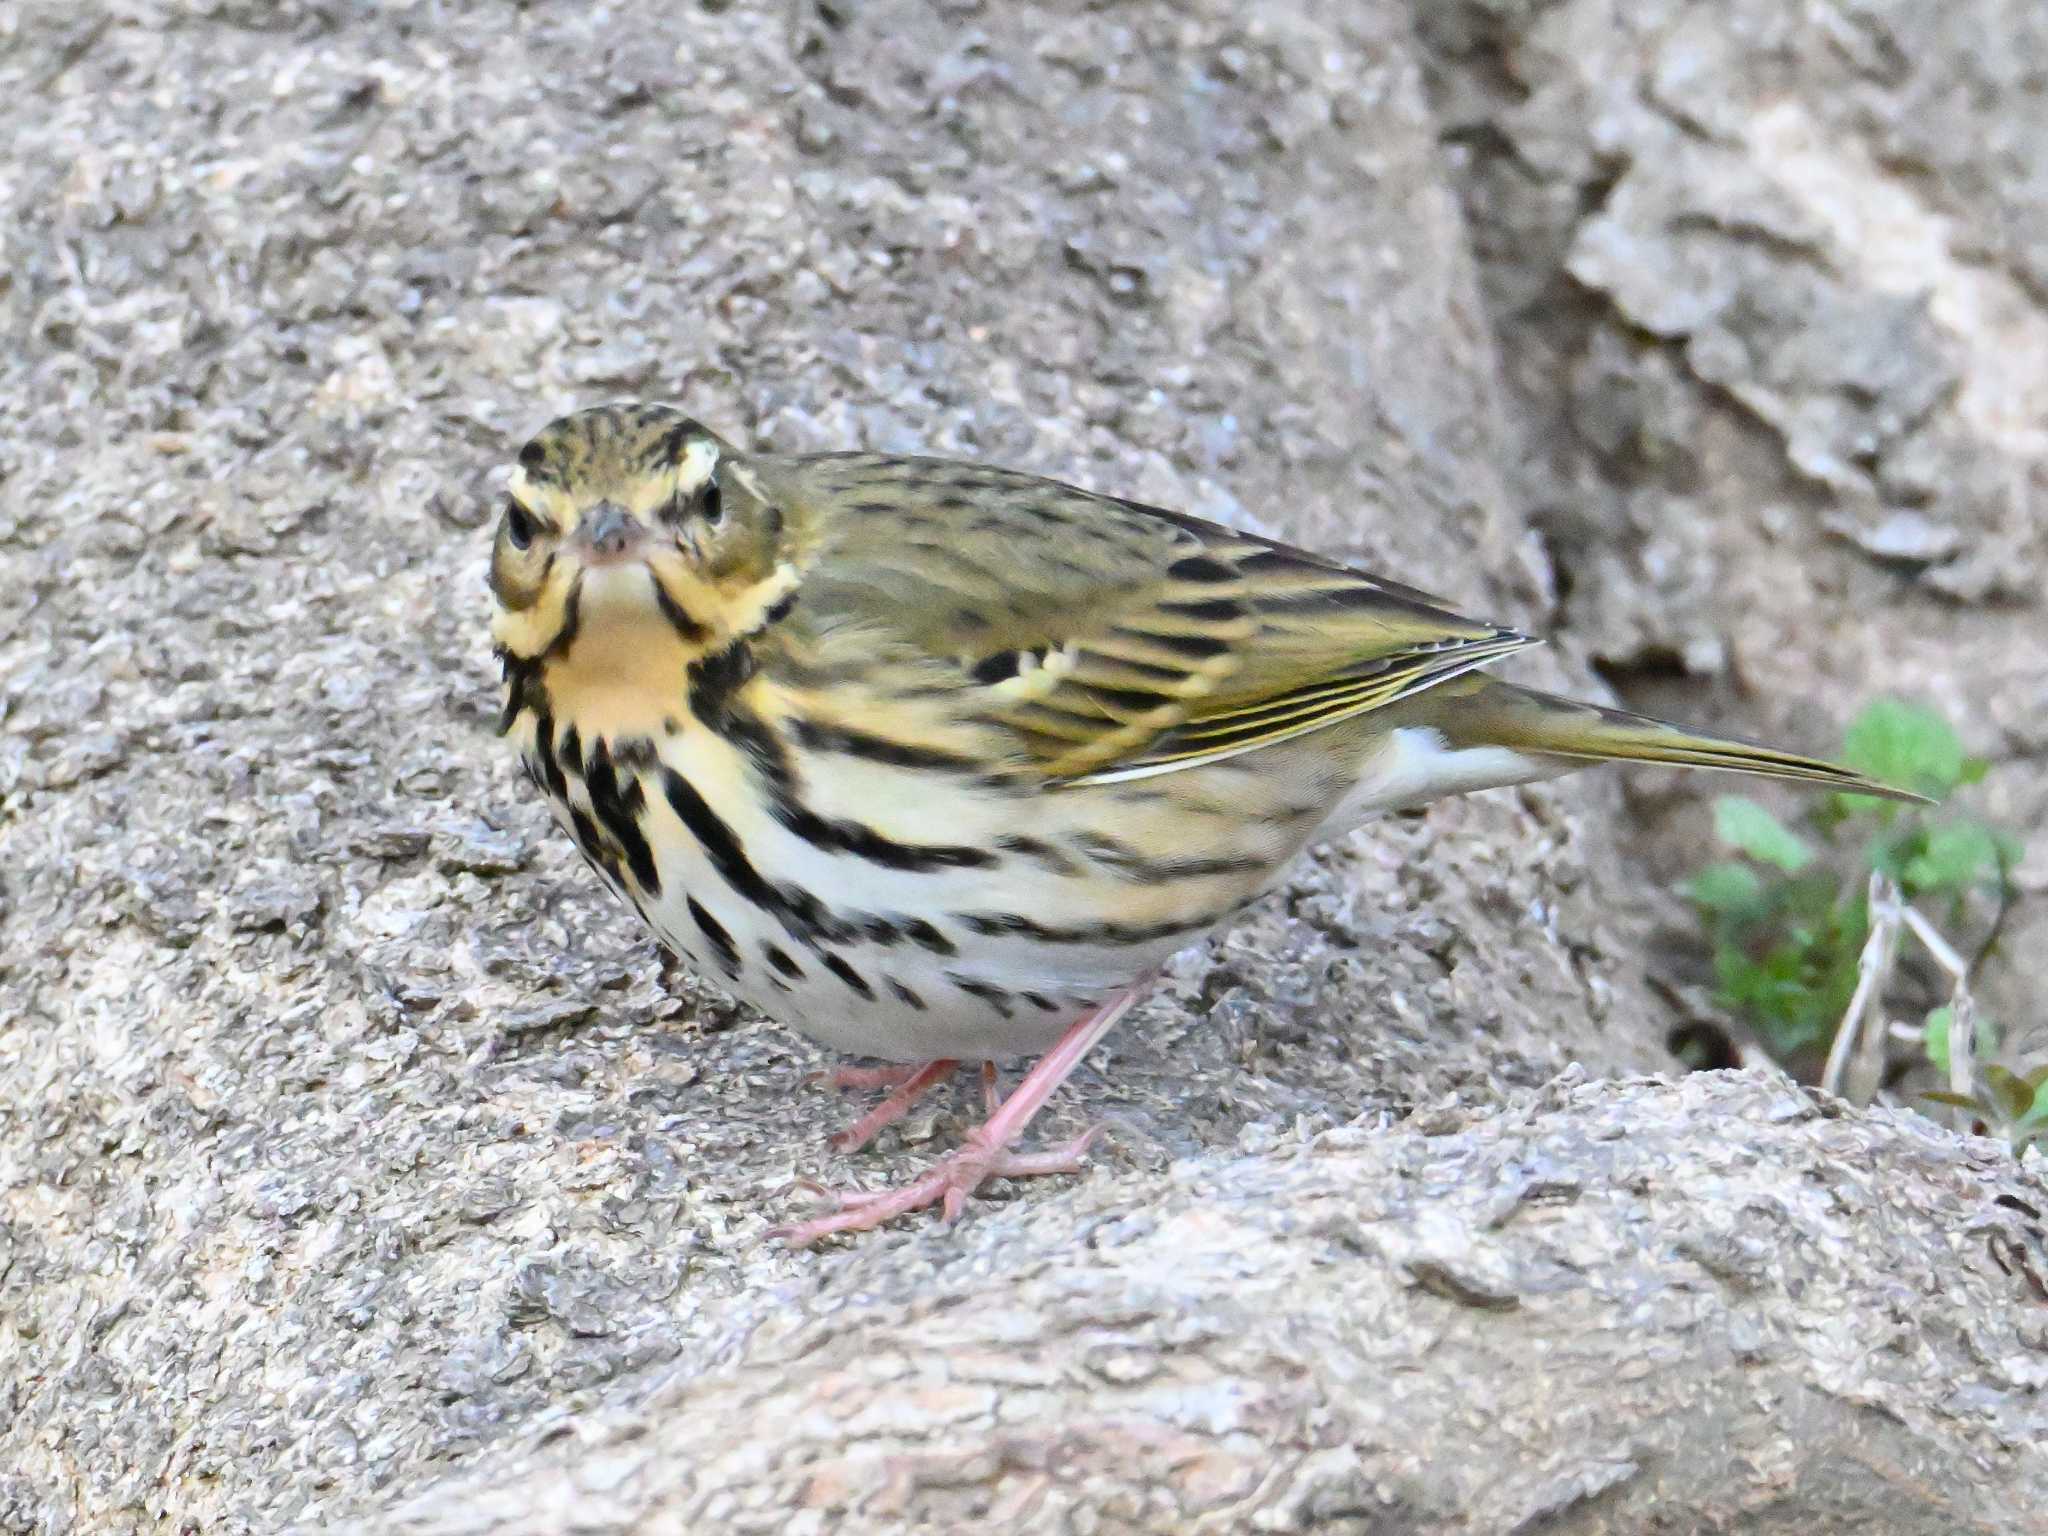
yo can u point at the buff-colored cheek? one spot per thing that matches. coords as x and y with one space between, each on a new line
506 587
528 614
520 631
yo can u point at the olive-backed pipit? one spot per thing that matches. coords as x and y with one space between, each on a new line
936 762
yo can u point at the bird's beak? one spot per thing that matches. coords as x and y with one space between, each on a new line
608 535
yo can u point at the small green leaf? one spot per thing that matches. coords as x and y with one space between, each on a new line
1955 1100
1934 1038
1905 744
1974 769
1748 828
2009 1092
1891 851
1727 889
1954 859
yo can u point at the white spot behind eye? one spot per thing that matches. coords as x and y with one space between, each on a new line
698 464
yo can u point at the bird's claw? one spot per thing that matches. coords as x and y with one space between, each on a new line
856 1078
947 1185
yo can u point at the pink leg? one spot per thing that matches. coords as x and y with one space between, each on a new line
986 1153
909 1090
866 1077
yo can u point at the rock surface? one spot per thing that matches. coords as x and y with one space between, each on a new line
1606 1307
349 1139
1771 289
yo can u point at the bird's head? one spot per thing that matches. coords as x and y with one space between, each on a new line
627 521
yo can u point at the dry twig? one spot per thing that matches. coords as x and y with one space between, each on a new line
1873 970
1889 913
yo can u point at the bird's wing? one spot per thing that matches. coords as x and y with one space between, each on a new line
1112 640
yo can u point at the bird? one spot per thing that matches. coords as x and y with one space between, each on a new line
937 762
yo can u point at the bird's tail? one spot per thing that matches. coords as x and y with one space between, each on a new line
1480 711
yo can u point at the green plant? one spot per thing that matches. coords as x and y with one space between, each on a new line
1934 1038
1789 917
2006 1104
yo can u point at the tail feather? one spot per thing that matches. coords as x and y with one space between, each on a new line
1487 712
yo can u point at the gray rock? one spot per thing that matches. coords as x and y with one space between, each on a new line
1791 259
1600 1307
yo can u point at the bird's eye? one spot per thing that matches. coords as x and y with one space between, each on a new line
519 525
706 502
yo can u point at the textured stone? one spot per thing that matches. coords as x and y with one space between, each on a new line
1739 1310
1790 260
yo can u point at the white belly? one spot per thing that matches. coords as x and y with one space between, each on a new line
904 963
1412 766
908 915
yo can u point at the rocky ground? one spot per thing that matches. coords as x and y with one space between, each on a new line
1770 288
357 1167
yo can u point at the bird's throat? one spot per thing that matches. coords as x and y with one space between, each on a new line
626 670
624 676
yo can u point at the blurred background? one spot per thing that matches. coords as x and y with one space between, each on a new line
1767 288
1709 339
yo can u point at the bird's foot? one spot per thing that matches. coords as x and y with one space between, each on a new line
986 1154
947 1185
861 1078
911 1084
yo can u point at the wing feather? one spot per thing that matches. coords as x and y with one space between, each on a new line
1106 639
